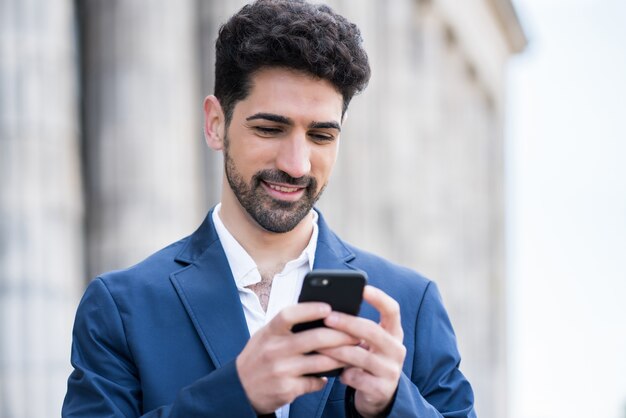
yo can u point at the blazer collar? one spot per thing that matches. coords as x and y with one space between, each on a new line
330 249
198 242
209 294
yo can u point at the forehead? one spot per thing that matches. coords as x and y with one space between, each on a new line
293 94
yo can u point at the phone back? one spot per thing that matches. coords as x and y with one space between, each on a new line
342 290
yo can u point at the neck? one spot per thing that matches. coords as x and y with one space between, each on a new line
269 250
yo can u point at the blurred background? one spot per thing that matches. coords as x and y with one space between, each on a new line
486 153
566 192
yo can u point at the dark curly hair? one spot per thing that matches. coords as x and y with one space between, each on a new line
290 34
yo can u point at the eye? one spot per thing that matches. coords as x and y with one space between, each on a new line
267 130
321 137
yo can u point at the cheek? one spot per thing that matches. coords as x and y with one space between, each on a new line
324 162
250 156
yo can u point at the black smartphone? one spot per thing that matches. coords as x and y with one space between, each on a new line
341 289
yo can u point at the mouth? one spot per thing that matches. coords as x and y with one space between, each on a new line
286 192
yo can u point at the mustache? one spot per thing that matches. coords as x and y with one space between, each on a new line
278 176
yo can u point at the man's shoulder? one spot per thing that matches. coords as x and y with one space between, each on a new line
408 287
385 273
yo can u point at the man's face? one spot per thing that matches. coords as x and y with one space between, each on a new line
281 146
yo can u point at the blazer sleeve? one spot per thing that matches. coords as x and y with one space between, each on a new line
105 381
436 387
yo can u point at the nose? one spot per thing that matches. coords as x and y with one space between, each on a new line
294 155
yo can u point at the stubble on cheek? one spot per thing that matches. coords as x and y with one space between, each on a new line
271 214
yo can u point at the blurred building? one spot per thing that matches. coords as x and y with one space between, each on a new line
102 162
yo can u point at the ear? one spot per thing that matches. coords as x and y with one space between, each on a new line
214 123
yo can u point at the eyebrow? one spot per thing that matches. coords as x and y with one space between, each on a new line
325 125
288 121
271 117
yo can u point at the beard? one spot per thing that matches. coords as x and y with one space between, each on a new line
271 214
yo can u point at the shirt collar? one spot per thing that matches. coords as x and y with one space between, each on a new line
243 267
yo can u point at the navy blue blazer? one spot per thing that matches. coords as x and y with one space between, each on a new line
160 339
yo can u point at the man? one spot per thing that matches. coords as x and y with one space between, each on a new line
203 327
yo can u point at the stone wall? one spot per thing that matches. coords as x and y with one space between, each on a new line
42 253
142 128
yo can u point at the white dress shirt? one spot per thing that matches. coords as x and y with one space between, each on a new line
285 288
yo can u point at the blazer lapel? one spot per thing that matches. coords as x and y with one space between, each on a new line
208 291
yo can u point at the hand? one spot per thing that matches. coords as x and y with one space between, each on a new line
375 365
273 363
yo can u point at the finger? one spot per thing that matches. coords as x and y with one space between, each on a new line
374 390
307 384
389 310
319 338
312 363
355 356
282 347
295 314
365 330
357 378
287 389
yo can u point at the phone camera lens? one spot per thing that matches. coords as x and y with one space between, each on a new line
320 282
